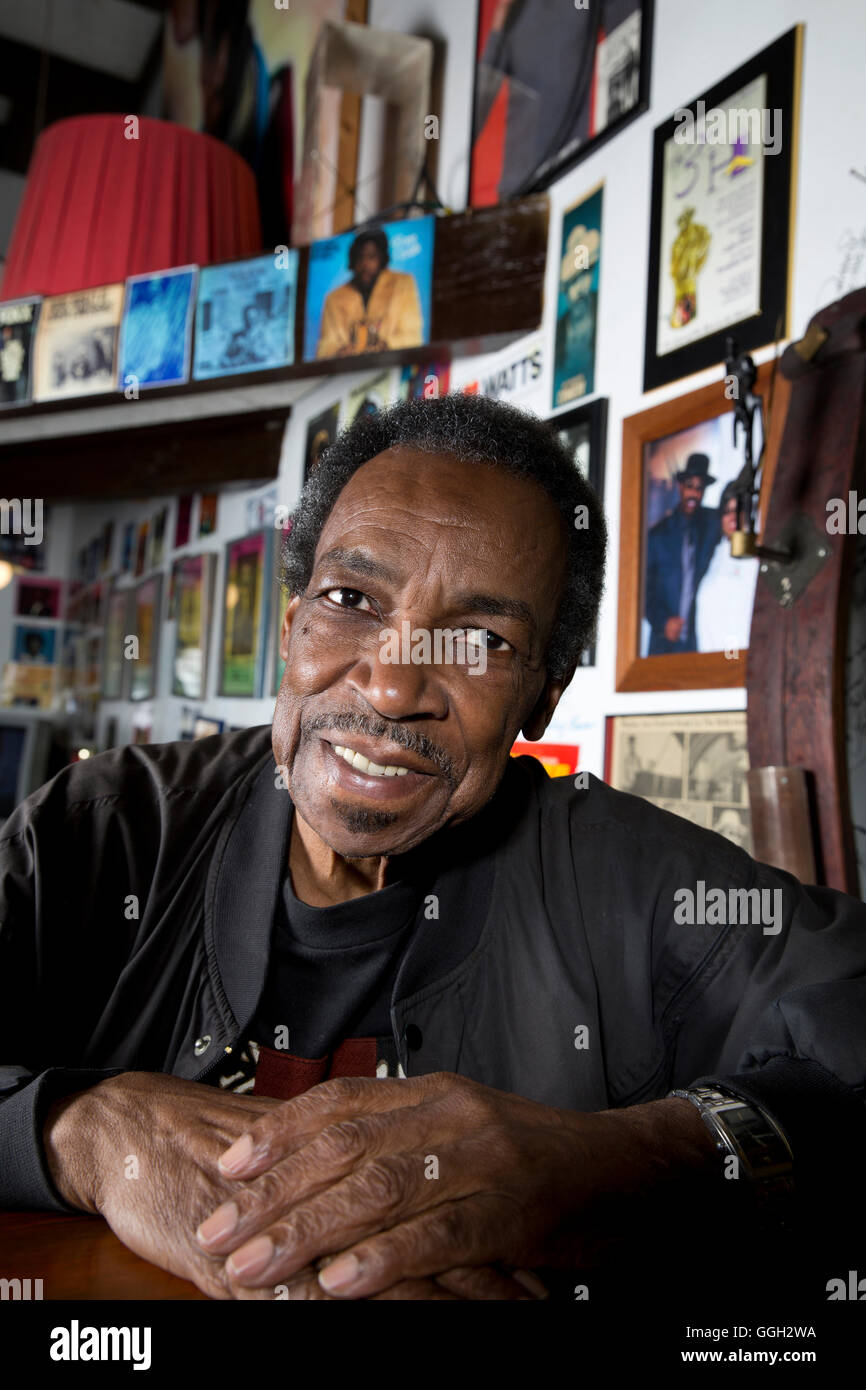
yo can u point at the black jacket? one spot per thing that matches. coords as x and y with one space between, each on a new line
556 911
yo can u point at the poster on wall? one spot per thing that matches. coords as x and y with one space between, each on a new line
156 331
321 433
695 765
18 320
721 218
191 605
512 375
33 644
369 291
245 316
117 628
577 300
368 398
76 343
245 601
551 83
146 626
238 71
584 433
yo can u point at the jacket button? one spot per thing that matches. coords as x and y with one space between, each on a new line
202 1044
413 1036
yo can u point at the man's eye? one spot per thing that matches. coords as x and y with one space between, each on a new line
350 598
483 637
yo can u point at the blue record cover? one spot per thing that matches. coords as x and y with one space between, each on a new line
156 329
245 316
369 290
18 319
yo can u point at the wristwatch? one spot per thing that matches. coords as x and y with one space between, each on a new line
743 1131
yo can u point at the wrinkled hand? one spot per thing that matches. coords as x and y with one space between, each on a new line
407 1179
142 1150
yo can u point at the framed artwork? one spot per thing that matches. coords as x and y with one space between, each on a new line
685 604
245 316
695 765
583 431
38 598
549 90
577 300
321 433
117 625
182 520
722 216
156 331
246 595
207 513
34 645
18 320
146 624
191 606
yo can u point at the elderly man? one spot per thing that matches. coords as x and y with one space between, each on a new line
379 1012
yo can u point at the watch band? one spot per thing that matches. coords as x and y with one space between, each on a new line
742 1130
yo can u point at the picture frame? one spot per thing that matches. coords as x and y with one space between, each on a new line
583 431
653 441
694 765
39 598
192 585
246 601
322 430
620 67
721 225
117 625
576 334
146 614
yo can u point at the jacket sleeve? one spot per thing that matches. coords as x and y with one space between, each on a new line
33 1022
777 1014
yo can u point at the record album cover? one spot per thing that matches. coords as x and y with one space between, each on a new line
156 332
76 343
245 316
18 319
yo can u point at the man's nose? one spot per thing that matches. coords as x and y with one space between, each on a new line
400 689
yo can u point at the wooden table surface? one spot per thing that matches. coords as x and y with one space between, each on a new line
80 1257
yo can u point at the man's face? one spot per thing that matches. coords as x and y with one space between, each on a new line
425 540
691 494
368 263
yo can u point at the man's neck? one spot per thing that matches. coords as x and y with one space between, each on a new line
321 877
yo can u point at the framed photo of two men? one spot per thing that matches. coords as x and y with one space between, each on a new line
685 603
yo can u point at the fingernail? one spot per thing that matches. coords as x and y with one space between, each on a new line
530 1282
238 1155
340 1273
252 1257
219 1224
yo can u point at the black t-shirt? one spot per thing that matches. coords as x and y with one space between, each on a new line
330 977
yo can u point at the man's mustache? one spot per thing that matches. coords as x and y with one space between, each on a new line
352 723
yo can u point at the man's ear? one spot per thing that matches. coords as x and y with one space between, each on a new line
536 723
286 628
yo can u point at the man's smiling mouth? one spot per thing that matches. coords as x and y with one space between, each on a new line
362 764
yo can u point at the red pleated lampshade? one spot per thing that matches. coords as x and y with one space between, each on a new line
99 206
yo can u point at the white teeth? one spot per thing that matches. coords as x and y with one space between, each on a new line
357 760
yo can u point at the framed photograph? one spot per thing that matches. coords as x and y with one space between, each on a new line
191 606
694 765
34 645
577 300
18 320
156 331
550 89
39 598
370 290
245 316
722 215
246 593
321 433
685 604
146 626
117 626
584 433
76 343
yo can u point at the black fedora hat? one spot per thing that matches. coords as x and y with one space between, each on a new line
697 466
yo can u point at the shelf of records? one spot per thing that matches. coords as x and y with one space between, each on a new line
365 292
100 638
